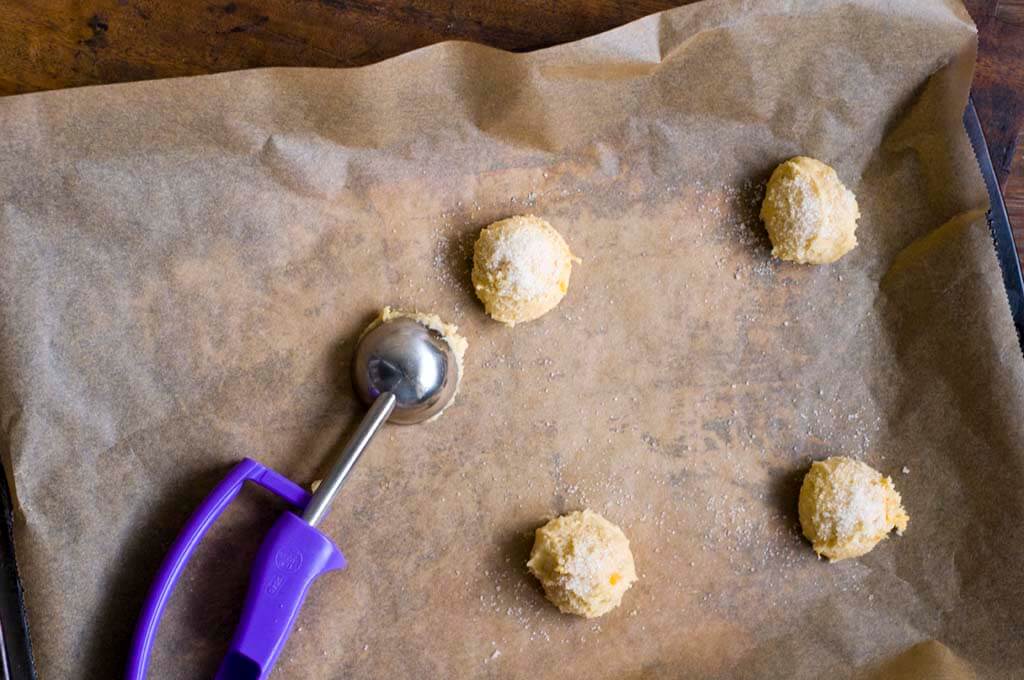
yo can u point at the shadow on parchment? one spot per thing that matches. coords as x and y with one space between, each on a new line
514 552
747 205
338 423
455 255
342 354
784 492
211 598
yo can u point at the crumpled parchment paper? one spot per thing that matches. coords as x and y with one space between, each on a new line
185 265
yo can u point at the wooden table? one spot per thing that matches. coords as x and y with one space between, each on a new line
51 44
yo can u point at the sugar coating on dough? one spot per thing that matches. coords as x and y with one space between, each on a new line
584 563
448 332
810 216
847 508
521 268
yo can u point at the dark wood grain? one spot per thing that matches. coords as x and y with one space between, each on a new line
50 44
999 95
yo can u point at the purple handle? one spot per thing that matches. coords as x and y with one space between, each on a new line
292 556
185 545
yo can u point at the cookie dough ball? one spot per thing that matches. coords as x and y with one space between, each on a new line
584 563
521 268
448 332
809 214
847 508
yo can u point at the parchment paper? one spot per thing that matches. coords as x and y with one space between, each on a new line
185 266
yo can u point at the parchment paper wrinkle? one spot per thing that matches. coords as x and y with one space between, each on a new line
185 266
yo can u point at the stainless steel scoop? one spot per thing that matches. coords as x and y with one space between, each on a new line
407 373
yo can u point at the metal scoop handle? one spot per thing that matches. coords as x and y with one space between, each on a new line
375 417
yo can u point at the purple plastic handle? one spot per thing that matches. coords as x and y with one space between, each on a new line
262 632
292 556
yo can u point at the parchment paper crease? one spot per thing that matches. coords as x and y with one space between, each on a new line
185 264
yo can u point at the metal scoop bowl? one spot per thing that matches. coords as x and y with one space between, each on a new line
408 374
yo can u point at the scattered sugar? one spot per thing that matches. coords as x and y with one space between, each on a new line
754 537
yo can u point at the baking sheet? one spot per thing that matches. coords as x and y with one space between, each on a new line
187 263
998 222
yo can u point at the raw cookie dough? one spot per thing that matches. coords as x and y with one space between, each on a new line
448 332
584 563
521 268
809 214
847 507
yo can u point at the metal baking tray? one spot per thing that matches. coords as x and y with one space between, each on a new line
15 644
998 222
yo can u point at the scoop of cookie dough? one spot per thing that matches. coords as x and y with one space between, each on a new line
584 563
810 216
521 268
448 332
847 508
